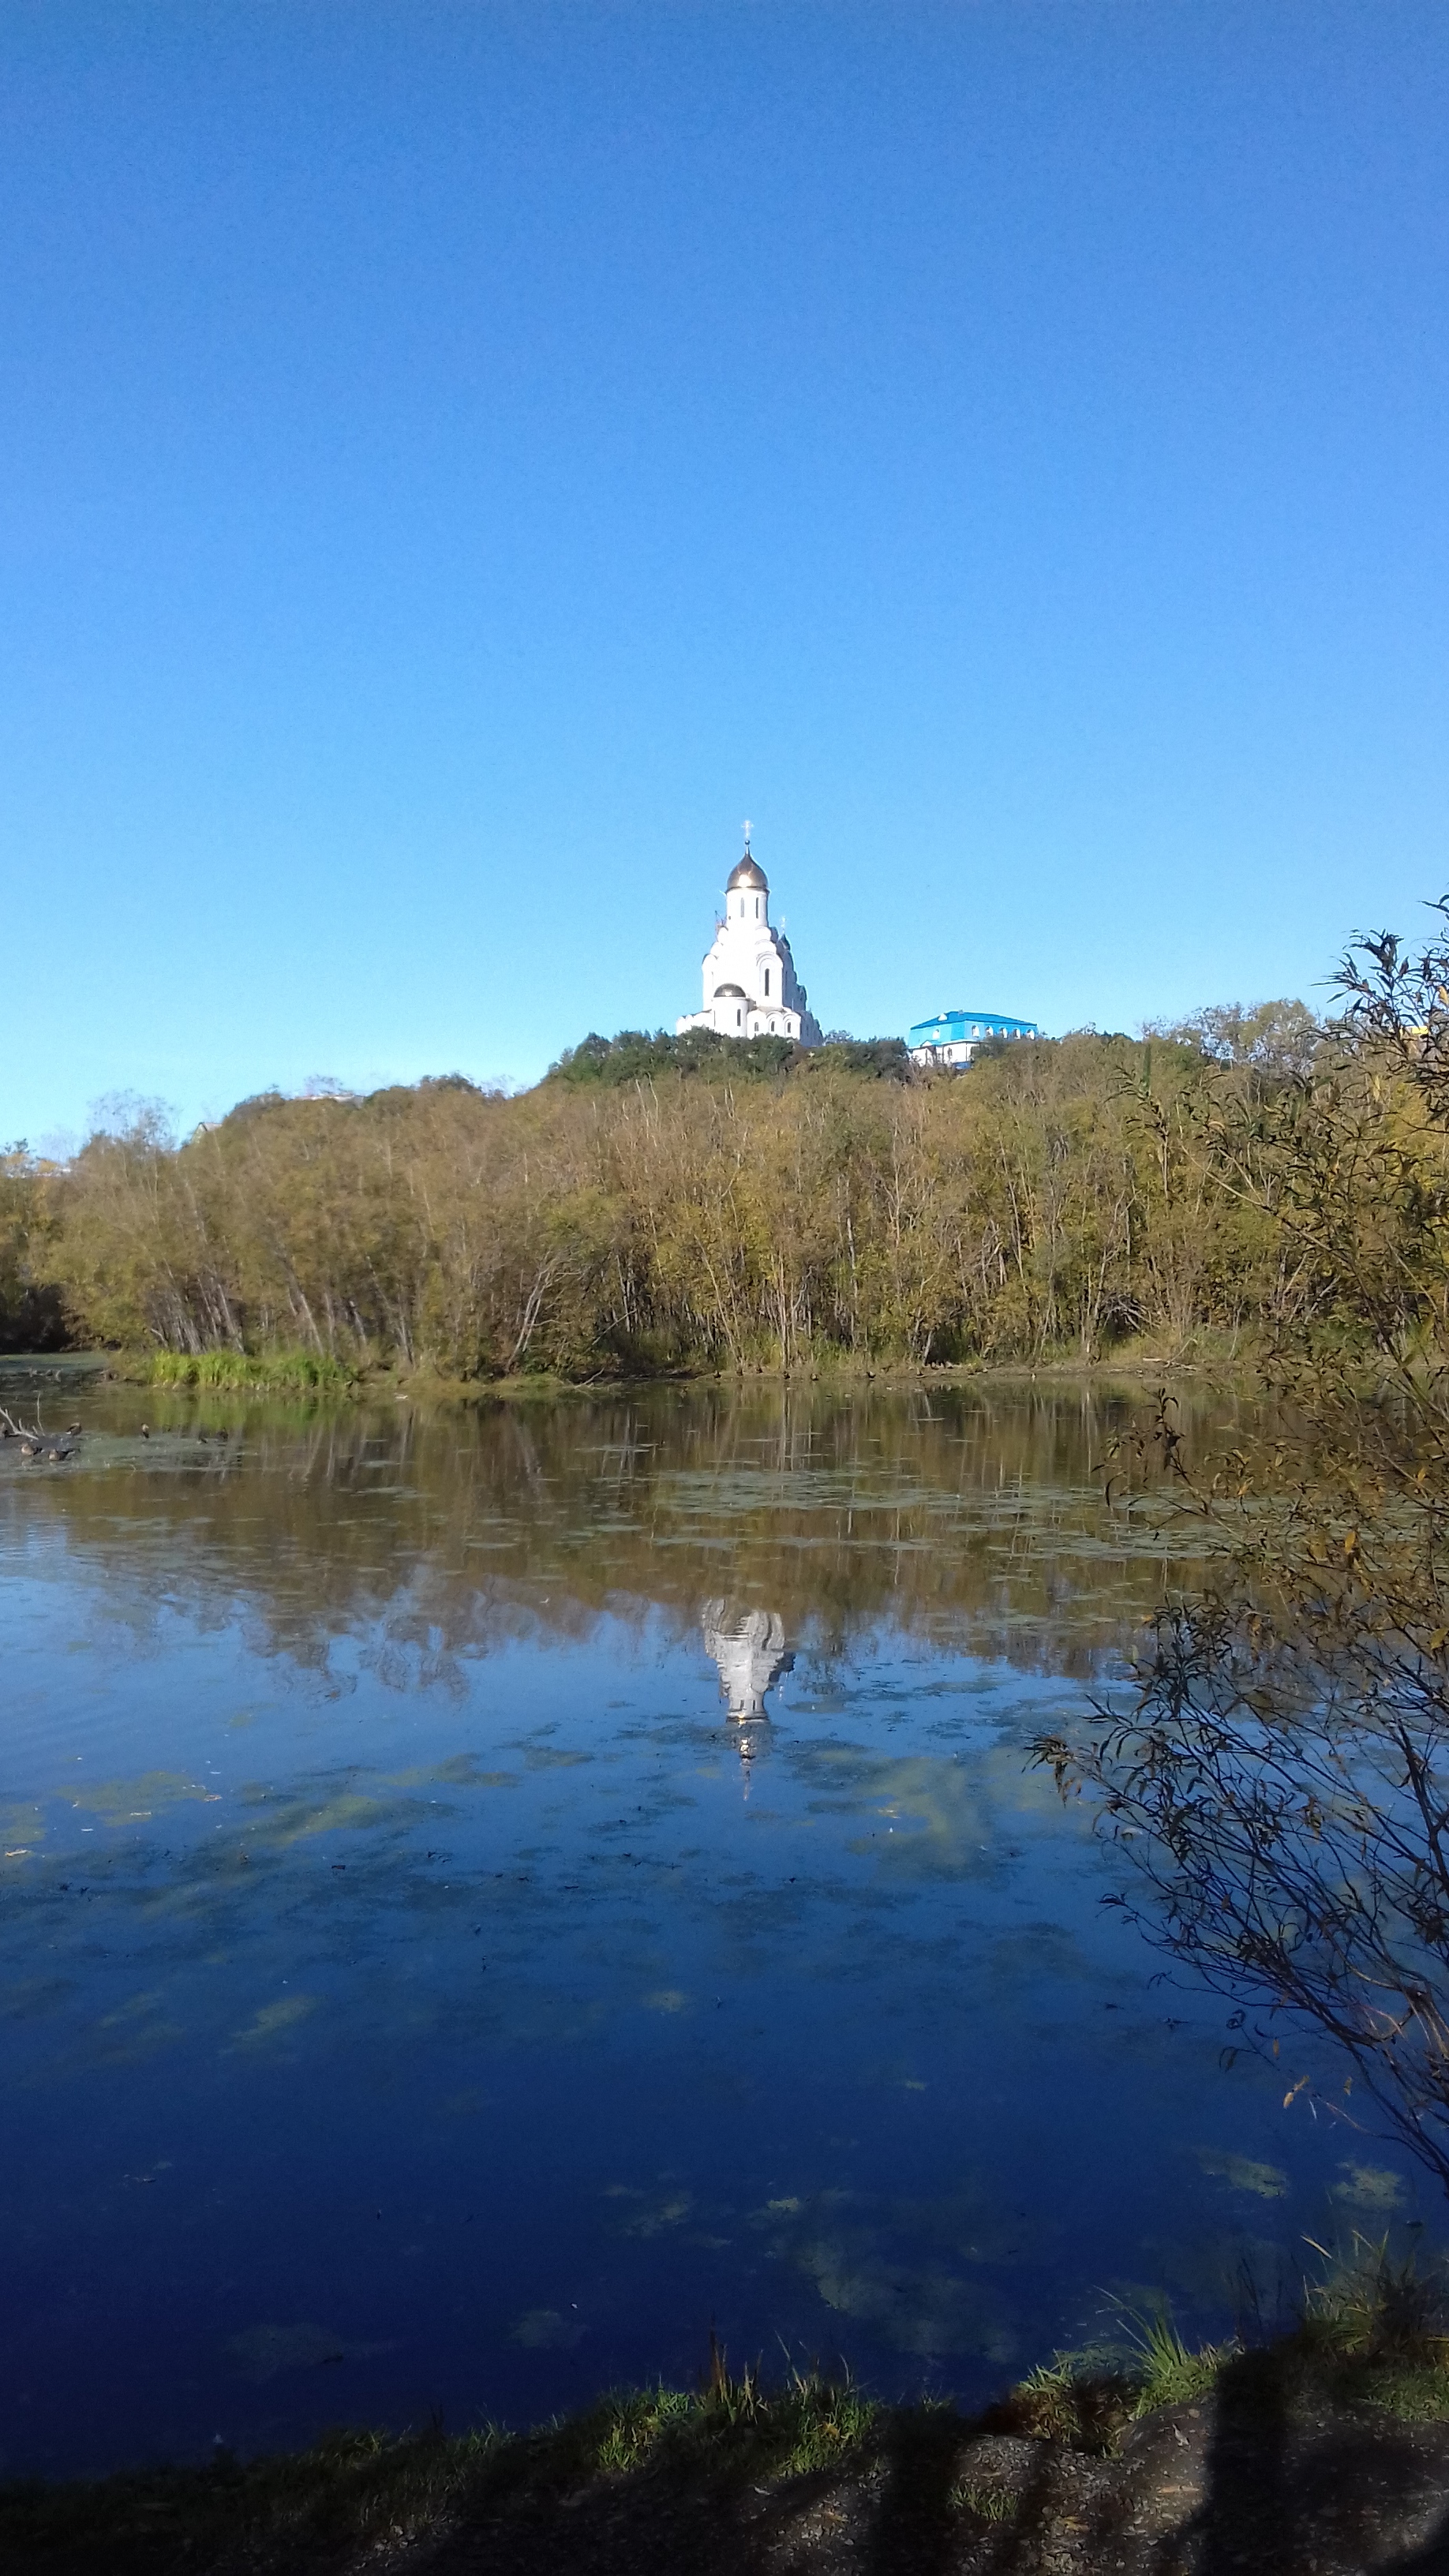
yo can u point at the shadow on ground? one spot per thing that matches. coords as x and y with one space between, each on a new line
1263 2473
1246 2481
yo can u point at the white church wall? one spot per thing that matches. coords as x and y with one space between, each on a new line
748 954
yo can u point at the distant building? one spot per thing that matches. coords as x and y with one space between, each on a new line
751 989
953 1037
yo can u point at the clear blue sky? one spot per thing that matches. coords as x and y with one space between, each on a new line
458 460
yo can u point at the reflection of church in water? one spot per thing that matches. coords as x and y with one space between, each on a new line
748 1646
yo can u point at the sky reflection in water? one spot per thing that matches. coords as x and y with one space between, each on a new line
485 1895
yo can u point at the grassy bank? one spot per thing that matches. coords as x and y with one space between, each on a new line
1368 2354
292 1370
231 1372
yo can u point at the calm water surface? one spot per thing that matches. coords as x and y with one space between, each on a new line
486 1894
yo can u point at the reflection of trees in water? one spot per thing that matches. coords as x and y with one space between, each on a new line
968 1516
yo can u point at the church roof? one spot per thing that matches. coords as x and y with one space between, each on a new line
729 992
748 873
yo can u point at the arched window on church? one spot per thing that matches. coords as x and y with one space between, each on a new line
767 983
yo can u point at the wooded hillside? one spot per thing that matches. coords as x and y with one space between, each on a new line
1062 1197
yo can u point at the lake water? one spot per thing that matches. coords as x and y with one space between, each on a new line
487 1893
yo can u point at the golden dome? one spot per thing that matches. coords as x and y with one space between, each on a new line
748 873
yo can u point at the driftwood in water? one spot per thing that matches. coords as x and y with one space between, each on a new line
35 1441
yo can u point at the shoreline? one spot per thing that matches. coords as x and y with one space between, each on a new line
1100 2462
301 1376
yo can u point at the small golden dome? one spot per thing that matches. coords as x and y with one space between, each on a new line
748 873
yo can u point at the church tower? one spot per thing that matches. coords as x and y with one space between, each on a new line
751 989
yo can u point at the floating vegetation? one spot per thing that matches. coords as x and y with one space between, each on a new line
416 1856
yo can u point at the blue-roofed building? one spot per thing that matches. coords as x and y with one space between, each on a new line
953 1037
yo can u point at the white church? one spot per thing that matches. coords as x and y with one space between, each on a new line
751 989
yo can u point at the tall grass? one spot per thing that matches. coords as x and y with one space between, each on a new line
1369 2334
1365 2301
381 2491
1165 2370
227 1371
